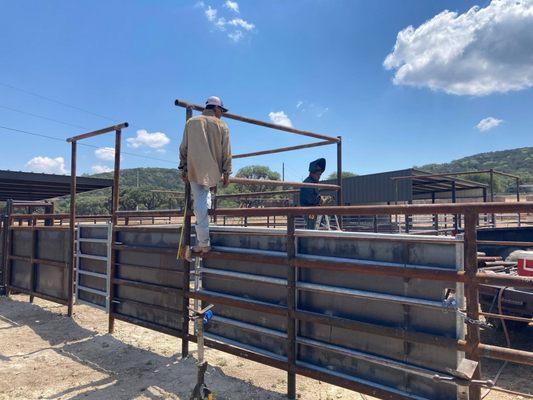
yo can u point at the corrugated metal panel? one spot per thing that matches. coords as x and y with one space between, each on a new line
376 188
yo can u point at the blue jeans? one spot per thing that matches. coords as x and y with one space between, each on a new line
202 203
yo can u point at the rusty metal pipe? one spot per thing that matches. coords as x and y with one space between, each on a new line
98 132
181 103
283 149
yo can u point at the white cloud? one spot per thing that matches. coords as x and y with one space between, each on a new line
237 28
235 36
221 24
488 123
482 51
280 118
321 112
211 13
105 153
232 5
299 104
47 165
99 169
155 140
239 22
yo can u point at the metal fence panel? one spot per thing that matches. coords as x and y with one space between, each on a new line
412 304
41 264
148 280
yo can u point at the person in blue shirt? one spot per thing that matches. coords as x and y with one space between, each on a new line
310 197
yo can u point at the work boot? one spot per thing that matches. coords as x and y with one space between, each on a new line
201 248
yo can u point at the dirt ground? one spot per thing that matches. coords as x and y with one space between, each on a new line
46 355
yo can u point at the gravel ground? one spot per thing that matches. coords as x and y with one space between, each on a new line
46 355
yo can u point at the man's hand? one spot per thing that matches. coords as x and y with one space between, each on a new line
225 179
184 176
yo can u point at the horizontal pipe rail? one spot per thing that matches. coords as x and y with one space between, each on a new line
246 181
405 209
505 354
283 149
256 194
98 132
184 104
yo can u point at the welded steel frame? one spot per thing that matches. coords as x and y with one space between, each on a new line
114 207
324 141
470 277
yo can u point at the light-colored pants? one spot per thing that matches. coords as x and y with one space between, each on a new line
202 203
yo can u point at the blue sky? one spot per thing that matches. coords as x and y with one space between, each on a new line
319 62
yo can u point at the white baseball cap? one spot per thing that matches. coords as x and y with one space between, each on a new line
215 101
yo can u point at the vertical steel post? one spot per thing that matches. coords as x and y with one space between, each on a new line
491 174
455 216
291 307
8 244
115 197
472 298
340 200
72 227
186 264
33 264
518 199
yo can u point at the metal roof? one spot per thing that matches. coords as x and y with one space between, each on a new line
404 185
17 185
425 183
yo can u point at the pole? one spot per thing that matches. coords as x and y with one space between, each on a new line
115 195
491 172
72 228
283 171
518 198
291 305
340 200
186 264
472 298
455 216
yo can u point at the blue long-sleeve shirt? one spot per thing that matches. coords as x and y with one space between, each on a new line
309 197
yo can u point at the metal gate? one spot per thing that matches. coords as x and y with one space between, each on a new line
93 265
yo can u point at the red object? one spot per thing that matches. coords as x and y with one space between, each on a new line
525 263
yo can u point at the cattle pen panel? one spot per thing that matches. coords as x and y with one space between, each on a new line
400 366
147 279
38 261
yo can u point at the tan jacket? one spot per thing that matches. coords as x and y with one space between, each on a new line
205 151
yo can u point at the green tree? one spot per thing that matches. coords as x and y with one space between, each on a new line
344 174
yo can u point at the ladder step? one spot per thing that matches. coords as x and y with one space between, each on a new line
91 257
93 240
91 290
90 273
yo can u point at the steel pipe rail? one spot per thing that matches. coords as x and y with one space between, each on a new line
98 132
283 149
246 181
190 106
256 194
405 209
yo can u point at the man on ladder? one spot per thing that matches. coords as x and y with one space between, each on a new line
205 157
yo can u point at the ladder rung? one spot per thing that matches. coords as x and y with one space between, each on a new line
91 257
93 240
90 273
91 290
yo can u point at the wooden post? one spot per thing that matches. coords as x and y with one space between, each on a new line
472 298
291 307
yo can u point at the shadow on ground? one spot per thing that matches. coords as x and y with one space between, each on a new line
128 372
